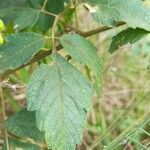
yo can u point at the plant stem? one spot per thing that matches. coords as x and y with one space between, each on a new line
48 13
4 117
45 2
99 30
53 34
76 16
55 15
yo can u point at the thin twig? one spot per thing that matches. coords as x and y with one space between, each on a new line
48 13
53 34
55 15
99 30
45 2
6 84
4 117
76 16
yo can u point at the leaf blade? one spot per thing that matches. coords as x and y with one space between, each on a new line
65 96
134 13
13 143
19 49
8 9
126 36
26 17
84 52
23 124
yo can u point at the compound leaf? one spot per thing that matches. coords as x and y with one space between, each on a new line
23 124
128 35
26 17
61 97
134 13
19 49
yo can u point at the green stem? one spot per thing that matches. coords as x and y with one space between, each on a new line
48 13
53 34
45 2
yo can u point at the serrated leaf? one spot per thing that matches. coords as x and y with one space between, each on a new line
26 17
23 125
133 12
19 49
126 36
18 145
53 6
61 97
83 51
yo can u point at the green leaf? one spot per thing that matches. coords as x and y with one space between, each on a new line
23 125
26 17
53 6
83 51
34 3
18 145
133 12
12 3
19 49
128 35
8 9
61 97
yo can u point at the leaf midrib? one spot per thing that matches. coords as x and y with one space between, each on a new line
60 86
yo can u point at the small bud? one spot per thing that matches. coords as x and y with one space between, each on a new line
2 26
1 39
